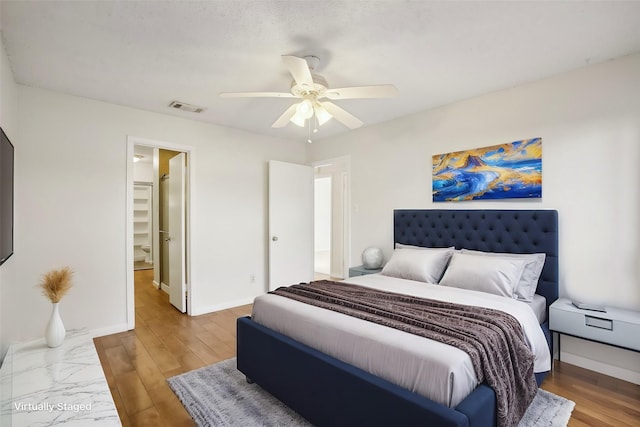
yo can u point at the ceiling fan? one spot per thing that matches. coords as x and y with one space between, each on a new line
312 89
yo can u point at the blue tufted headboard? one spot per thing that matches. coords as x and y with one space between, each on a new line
512 231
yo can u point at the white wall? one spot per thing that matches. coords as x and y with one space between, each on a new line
589 121
70 209
8 97
9 123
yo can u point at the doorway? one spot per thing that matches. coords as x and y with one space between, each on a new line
331 220
168 254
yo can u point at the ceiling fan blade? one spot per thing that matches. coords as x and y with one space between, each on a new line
256 95
376 91
347 119
284 118
299 69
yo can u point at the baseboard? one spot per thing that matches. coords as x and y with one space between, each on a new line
217 307
603 368
155 284
100 332
164 287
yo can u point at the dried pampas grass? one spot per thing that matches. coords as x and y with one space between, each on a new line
56 283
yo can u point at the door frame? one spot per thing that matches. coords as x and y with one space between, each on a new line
345 215
132 141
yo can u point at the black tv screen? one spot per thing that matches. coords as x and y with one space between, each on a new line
6 197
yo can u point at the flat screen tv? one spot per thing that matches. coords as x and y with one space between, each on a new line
6 197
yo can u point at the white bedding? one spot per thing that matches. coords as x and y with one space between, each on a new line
539 307
438 371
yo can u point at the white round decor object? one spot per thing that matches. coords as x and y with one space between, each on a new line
372 258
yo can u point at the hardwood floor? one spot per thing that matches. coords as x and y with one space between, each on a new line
167 343
600 400
164 343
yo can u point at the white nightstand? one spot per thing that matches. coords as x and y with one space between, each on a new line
617 327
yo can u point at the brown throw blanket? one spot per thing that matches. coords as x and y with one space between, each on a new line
493 339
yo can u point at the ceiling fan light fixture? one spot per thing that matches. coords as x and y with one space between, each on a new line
322 114
305 109
298 120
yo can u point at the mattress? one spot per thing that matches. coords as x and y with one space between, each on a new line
435 370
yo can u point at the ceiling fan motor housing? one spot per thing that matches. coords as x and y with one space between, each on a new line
320 86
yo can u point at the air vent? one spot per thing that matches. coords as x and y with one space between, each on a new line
186 107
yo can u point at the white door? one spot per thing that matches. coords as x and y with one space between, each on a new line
290 224
177 282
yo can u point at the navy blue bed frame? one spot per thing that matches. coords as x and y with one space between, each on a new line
328 392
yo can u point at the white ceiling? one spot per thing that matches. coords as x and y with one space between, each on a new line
145 54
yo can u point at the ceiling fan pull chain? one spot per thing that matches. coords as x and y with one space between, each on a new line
309 128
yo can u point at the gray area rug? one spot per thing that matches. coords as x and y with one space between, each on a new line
218 395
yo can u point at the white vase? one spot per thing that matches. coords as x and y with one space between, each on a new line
54 335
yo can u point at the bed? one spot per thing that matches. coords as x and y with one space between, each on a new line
328 391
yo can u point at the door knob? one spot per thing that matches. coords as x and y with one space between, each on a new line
274 238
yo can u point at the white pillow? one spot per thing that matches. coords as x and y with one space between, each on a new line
528 284
494 275
423 265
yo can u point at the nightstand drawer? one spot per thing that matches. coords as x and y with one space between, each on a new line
617 327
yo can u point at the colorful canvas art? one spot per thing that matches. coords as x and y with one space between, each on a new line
504 171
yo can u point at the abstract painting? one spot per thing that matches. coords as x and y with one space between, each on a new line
505 171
